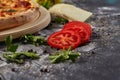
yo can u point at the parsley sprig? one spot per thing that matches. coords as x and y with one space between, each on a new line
63 55
17 57
60 20
36 40
48 3
45 3
20 57
10 47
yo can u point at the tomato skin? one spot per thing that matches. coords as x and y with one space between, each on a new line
81 32
87 27
72 35
64 40
79 24
81 28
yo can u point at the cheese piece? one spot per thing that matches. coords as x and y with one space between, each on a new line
70 12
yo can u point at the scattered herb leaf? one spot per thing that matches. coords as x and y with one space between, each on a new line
48 3
45 3
17 57
36 40
10 47
60 20
20 57
63 55
72 57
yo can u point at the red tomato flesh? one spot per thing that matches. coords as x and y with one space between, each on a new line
80 28
79 24
64 40
72 35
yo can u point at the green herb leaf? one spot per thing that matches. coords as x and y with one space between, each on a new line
48 3
60 20
63 55
45 3
36 40
20 57
10 46
11 10
8 42
74 56
57 59
13 48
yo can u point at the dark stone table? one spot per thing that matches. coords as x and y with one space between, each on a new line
100 59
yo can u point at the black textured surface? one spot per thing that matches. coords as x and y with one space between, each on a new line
100 58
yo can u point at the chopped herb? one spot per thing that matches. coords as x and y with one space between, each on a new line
19 57
48 3
11 10
63 55
36 40
10 47
45 3
60 20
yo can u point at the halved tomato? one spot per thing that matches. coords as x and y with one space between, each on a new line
64 40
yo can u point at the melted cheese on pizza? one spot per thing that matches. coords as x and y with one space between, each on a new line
12 7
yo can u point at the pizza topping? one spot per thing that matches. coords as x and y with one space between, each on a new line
1 14
25 4
7 12
11 10
12 7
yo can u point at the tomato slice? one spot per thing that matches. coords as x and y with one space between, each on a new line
81 28
72 35
79 24
81 32
87 27
64 40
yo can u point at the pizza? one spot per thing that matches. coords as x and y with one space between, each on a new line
14 13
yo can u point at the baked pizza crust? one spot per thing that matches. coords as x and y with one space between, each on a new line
19 18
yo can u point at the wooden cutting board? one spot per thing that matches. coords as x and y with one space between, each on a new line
29 28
